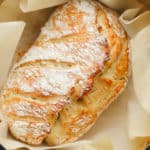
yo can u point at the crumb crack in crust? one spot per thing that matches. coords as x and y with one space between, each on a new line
77 66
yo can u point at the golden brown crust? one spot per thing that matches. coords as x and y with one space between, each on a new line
78 65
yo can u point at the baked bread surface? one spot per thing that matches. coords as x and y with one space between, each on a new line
77 66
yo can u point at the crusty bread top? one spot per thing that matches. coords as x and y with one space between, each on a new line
81 40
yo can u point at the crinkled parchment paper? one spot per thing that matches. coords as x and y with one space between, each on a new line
32 5
125 125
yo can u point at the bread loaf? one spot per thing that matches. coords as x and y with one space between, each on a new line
77 66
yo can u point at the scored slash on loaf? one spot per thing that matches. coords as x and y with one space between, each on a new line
77 66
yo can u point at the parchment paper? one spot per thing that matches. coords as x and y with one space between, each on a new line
121 4
141 63
8 46
125 124
32 5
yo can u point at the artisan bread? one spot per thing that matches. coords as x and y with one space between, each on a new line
77 66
